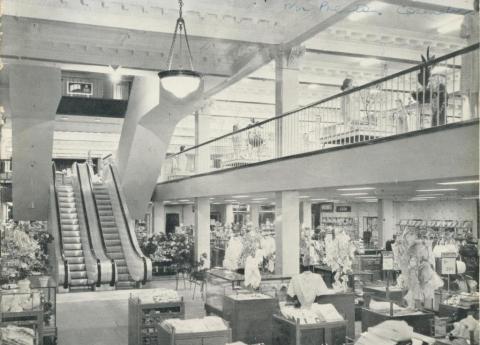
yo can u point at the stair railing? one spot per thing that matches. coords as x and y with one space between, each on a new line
104 245
59 224
127 224
87 226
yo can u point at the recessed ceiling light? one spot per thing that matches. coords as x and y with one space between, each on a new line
437 190
354 189
427 197
353 194
216 203
184 200
433 194
304 196
231 200
452 183
212 198
64 117
319 199
241 196
259 199
364 197
470 198
166 201
370 200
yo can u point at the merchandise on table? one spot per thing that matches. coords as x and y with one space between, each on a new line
14 335
387 333
463 328
306 286
206 324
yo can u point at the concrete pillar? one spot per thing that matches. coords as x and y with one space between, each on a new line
255 215
229 214
286 97
158 217
34 92
287 233
151 118
386 221
202 229
202 154
307 214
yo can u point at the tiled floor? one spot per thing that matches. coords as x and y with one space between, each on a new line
101 318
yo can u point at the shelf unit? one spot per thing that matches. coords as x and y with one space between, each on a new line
348 224
143 318
458 229
167 336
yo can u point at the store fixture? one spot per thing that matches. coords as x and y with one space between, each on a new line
144 313
210 330
180 82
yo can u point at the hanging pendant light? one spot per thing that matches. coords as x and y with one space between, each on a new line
180 82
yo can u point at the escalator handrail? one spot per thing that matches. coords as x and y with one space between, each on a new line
87 226
59 224
127 225
104 245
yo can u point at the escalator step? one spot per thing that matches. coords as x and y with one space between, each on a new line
105 213
114 249
70 233
105 207
121 263
70 227
71 240
77 267
69 221
72 246
122 269
102 196
115 255
68 216
78 260
108 225
115 242
111 236
67 210
123 277
79 282
66 204
66 199
73 253
78 275
66 194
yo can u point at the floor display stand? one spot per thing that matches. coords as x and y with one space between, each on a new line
142 318
250 319
288 332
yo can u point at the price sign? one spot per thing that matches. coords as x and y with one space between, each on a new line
449 263
387 261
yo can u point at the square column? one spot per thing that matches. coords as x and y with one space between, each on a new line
229 214
202 229
202 154
307 214
386 221
286 96
254 215
158 217
287 233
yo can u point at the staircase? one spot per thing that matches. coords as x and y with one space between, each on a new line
110 233
71 241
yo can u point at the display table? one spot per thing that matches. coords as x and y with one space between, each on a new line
250 318
420 321
345 305
454 312
166 336
289 332
380 292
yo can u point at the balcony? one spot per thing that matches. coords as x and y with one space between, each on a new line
412 101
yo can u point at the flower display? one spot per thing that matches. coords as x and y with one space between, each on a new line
24 249
339 256
170 248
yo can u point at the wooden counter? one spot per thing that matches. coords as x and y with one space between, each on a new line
421 322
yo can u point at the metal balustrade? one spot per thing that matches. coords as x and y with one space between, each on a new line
424 96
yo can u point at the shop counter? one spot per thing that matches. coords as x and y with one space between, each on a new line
345 305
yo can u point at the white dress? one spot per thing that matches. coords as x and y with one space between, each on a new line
306 287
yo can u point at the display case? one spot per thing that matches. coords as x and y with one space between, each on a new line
21 312
144 313
289 332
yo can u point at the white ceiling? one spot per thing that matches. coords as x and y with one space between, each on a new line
225 35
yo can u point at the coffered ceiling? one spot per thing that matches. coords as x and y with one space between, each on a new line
233 43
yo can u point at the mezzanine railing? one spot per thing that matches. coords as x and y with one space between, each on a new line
428 95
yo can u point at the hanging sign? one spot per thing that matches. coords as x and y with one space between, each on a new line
79 88
449 263
326 207
343 209
387 261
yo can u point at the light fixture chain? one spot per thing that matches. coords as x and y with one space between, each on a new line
180 5
188 45
170 53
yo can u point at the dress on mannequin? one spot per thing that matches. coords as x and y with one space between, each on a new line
306 287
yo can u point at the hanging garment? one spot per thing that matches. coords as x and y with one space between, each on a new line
252 273
232 254
306 287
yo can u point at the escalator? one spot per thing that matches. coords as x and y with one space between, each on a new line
133 268
79 263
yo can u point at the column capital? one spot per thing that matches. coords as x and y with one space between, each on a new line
290 57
